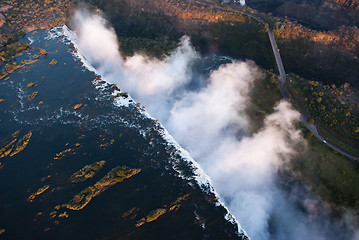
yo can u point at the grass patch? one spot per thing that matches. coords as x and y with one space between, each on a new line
331 175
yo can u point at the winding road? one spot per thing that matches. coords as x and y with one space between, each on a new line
283 78
282 81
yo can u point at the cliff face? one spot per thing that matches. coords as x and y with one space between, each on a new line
321 14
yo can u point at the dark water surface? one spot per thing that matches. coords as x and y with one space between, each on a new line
98 130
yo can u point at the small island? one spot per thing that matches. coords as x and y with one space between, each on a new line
32 96
116 175
7 149
53 62
155 214
38 192
86 172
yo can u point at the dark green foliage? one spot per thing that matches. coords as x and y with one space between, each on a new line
331 175
264 96
331 108
150 47
239 40
311 60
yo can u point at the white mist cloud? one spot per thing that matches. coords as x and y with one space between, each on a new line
211 123
244 171
155 77
200 119
98 44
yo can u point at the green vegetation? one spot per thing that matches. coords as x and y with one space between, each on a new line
239 40
152 216
11 149
116 175
80 200
42 52
157 48
11 38
10 47
28 15
331 175
336 110
155 214
7 148
8 53
264 96
11 67
327 56
156 33
86 172
21 144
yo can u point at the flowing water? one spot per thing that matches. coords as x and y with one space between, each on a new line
121 134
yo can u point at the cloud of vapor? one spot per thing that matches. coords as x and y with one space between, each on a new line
245 173
199 119
211 123
98 44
